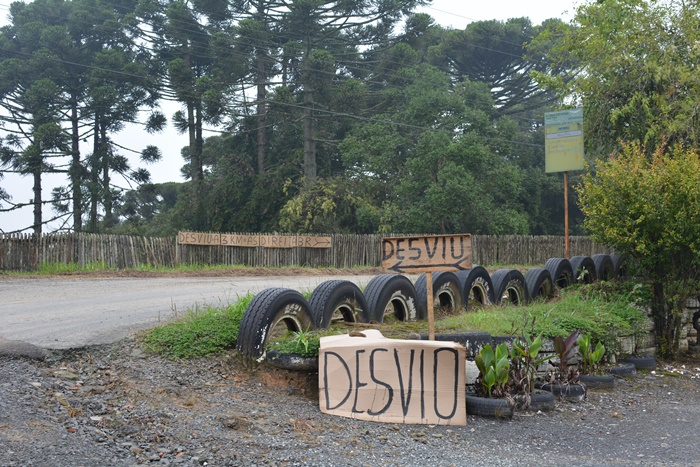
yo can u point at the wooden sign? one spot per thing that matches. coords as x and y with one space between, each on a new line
432 253
267 241
390 380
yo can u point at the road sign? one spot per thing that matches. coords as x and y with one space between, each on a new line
431 253
563 145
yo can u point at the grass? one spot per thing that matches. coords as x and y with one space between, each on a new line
201 332
50 269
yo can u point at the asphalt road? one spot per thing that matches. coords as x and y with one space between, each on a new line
61 313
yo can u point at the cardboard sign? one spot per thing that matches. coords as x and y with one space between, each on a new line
427 254
391 380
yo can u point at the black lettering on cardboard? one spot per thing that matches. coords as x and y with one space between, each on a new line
435 381
422 384
389 389
399 250
358 384
325 379
405 399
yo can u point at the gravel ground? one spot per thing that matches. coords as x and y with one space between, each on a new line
115 405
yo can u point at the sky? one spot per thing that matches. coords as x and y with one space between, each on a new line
455 14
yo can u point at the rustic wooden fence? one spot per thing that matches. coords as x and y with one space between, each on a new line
24 252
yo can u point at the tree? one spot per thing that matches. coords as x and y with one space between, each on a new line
648 209
635 72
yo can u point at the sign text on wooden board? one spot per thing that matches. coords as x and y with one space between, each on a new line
431 253
268 241
391 380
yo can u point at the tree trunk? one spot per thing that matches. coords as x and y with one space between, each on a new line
76 171
667 321
36 189
261 109
309 124
106 180
94 178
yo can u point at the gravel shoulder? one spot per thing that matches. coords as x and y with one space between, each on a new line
117 405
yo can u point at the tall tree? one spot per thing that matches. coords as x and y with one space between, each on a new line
635 72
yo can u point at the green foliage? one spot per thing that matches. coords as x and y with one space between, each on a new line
633 69
567 350
63 268
494 367
599 311
590 356
525 360
648 209
304 343
200 332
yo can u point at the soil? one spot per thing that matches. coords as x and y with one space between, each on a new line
117 405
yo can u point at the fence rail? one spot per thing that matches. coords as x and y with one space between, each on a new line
24 252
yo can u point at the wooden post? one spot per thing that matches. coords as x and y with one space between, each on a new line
566 215
431 310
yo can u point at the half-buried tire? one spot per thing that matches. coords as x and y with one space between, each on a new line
584 269
271 314
539 284
477 287
447 293
604 267
391 296
338 300
561 272
510 287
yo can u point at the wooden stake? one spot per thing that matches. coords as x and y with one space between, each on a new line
431 311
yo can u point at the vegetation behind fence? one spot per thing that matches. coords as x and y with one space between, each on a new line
24 252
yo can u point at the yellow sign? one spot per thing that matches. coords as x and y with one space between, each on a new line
432 253
267 241
563 143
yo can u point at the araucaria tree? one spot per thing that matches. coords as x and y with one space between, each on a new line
648 208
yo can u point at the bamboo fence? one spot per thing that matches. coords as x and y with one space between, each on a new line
25 252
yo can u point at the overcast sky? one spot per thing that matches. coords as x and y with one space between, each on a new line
450 13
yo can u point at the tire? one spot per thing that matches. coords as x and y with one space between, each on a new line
270 312
539 284
290 361
391 295
622 369
640 363
584 269
338 300
509 287
604 267
539 400
597 381
477 287
487 407
447 293
568 392
561 272
618 265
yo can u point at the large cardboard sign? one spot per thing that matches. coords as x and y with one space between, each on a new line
427 254
369 377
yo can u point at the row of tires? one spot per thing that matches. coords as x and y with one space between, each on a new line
275 311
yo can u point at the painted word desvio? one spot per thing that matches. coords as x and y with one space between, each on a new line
390 380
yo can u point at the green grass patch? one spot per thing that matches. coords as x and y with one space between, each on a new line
201 332
601 310
63 268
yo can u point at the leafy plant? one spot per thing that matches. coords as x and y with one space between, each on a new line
566 349
524 360
494 367
590 357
